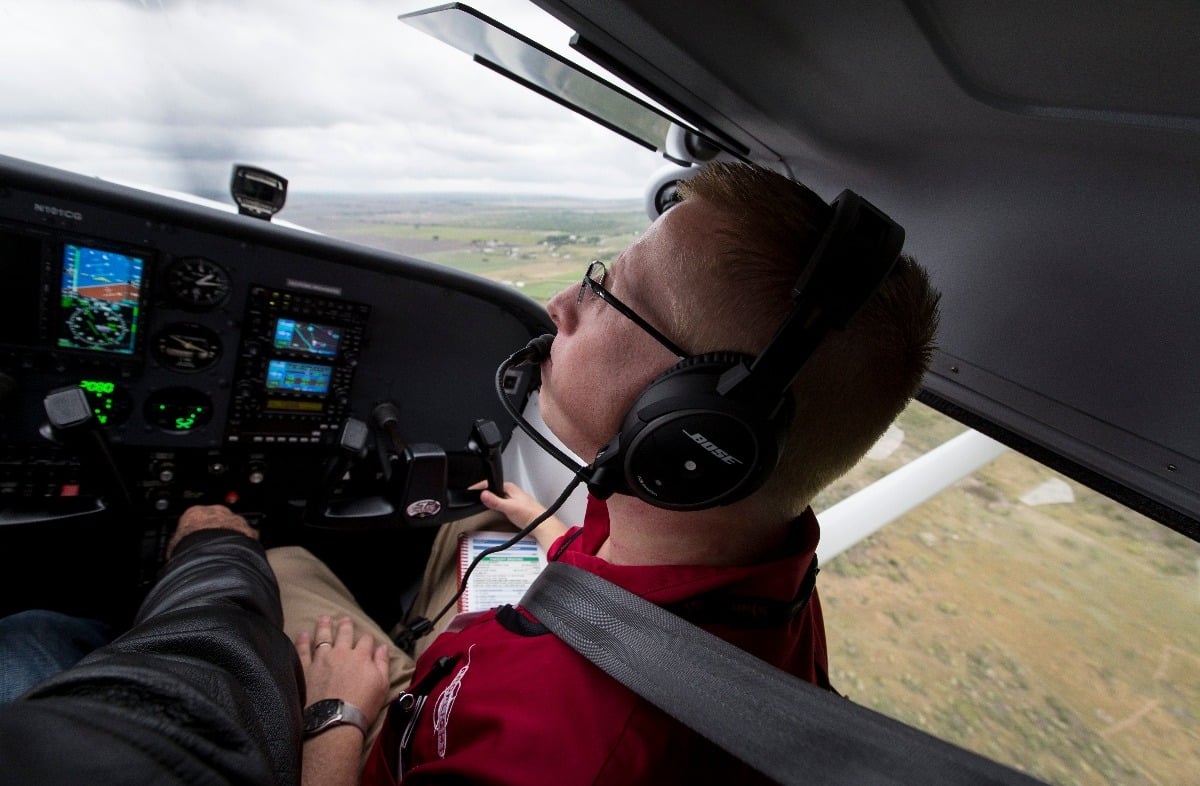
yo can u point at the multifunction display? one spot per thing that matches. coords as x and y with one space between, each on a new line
288 376
307 337
295 366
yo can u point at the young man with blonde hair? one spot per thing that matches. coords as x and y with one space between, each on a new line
497 698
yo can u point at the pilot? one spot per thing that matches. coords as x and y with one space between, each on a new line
494 697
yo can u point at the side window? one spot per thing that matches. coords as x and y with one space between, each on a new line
1023 616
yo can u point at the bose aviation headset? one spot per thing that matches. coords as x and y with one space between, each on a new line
708 431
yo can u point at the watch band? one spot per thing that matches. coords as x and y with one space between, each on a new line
327 713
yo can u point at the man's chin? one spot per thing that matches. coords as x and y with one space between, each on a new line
552 417
550 414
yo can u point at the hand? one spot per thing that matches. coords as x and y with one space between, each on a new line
521 509
338 667
201 517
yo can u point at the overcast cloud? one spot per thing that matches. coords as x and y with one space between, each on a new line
335 95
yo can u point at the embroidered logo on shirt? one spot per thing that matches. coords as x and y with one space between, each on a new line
445 703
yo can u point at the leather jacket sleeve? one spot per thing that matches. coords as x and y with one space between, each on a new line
205 688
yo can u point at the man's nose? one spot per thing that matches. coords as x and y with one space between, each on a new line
562 308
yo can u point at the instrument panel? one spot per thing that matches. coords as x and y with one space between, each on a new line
88 309
222 358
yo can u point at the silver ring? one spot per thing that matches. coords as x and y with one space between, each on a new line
320 644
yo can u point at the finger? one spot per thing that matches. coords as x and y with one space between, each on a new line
204 514
507 506
381 660
304 647
198 517
514 491
366 642
520 498
324 632
195 512
345 633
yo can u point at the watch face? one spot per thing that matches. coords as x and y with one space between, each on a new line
320 714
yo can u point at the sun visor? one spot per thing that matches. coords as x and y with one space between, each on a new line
528 63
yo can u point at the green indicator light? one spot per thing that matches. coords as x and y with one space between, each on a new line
97 386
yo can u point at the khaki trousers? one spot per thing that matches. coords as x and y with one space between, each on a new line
308 589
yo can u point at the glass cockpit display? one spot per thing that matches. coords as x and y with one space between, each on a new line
295 366
307 337
101 299
305 378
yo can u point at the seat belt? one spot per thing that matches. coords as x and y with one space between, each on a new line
788 729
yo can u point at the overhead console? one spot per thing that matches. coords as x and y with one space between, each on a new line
225 359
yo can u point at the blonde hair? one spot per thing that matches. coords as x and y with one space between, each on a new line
858 380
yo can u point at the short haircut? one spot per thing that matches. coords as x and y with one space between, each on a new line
859 379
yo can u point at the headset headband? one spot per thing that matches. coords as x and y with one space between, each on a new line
855 254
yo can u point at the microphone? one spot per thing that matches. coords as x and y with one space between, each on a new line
535 352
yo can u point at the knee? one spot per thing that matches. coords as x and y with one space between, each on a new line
285 558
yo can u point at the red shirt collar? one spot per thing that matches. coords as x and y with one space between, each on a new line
665 584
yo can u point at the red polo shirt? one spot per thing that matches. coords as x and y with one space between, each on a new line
515 706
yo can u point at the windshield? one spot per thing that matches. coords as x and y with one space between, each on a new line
335 97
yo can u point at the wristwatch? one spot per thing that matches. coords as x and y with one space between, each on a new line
327 713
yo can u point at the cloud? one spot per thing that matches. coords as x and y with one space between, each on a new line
335 96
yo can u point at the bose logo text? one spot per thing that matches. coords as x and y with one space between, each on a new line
703 442
74 215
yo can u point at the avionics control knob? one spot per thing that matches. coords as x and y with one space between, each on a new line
257 474
161 502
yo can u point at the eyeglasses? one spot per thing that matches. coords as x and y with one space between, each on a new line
593 280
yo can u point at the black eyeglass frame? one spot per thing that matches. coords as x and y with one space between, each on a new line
596 285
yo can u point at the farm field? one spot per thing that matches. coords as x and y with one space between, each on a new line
539 246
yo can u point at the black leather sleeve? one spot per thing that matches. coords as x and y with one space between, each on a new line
204 689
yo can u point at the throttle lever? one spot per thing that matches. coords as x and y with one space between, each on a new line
422 480
351 446
482 453
434 476
486 440
389 441
425 496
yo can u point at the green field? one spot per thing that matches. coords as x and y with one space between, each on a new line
538 246
1061 638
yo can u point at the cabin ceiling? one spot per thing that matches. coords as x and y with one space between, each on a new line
1045 161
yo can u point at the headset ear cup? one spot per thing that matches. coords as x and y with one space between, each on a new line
609 472
684 446
720 362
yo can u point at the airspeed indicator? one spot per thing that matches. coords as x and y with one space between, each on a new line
197 283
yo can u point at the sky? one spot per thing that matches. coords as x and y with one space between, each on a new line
337 96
